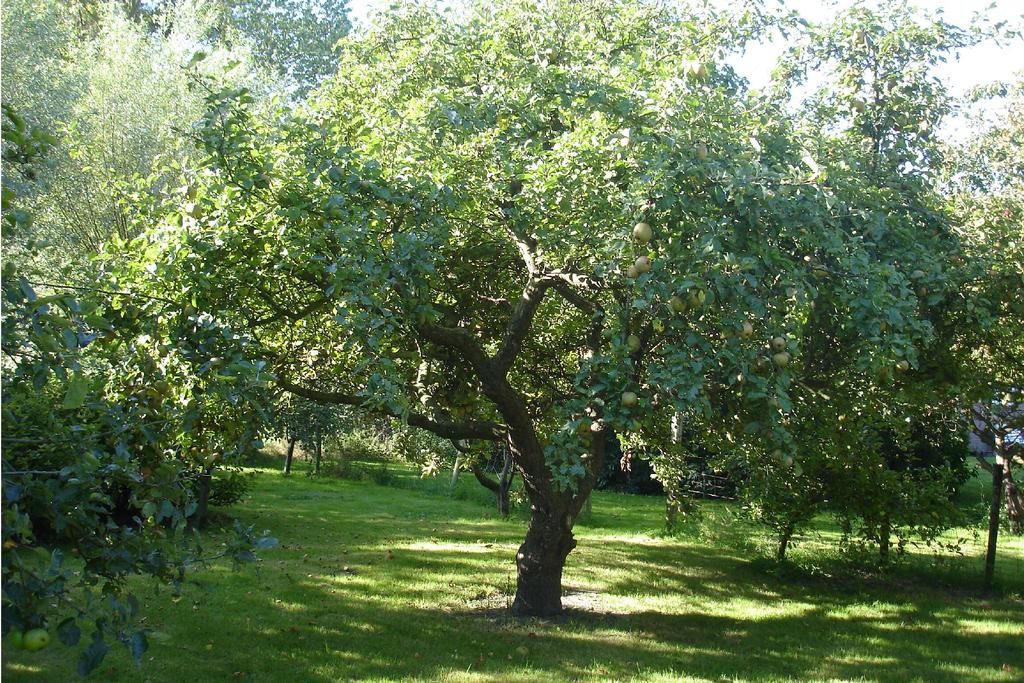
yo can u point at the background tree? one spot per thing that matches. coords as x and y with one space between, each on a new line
87 429
872 117
110 81
295 38
308 424
985 336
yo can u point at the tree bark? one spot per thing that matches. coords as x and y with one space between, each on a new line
289 456
540 561
549 540
1014 499
455 475
505 484
201 514
883 539
319 453
672 508
993 517
784 537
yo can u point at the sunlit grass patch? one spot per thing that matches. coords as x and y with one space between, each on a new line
374 583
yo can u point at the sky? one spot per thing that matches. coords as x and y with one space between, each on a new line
981 64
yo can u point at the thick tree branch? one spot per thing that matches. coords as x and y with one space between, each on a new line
484 480
471 429
519 324
497 388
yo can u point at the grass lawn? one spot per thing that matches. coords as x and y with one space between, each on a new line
401 582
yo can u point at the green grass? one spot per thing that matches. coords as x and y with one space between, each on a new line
405 583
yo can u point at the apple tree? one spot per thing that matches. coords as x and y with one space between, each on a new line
986 332
536 224
98 409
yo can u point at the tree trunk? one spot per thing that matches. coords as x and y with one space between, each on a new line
549 538
291 454
505 478
199 518
883 539
540 560
993 517
672 508
319 453
1014 499
503 502
784 536
455 475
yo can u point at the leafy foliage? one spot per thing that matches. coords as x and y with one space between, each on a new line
94 482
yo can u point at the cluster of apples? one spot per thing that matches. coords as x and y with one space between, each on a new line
642 233
32 640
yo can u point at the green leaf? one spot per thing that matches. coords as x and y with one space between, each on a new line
77 390
68 632
138 645
92 656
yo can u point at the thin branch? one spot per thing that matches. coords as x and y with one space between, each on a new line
472 429
98 290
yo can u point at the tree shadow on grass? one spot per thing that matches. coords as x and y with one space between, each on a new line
370 585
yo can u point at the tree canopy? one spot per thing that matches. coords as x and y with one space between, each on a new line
544 223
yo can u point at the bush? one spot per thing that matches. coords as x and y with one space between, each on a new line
229 488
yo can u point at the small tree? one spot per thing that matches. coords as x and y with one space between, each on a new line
309 425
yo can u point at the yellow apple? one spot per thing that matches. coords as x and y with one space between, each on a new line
642 233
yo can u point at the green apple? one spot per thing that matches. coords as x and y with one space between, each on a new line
632 272
642 233
629 399
697 297
903 366
781 359
677 304
858 106
633 342
778 343
746 330
642 264
701 150
17 639
36 639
